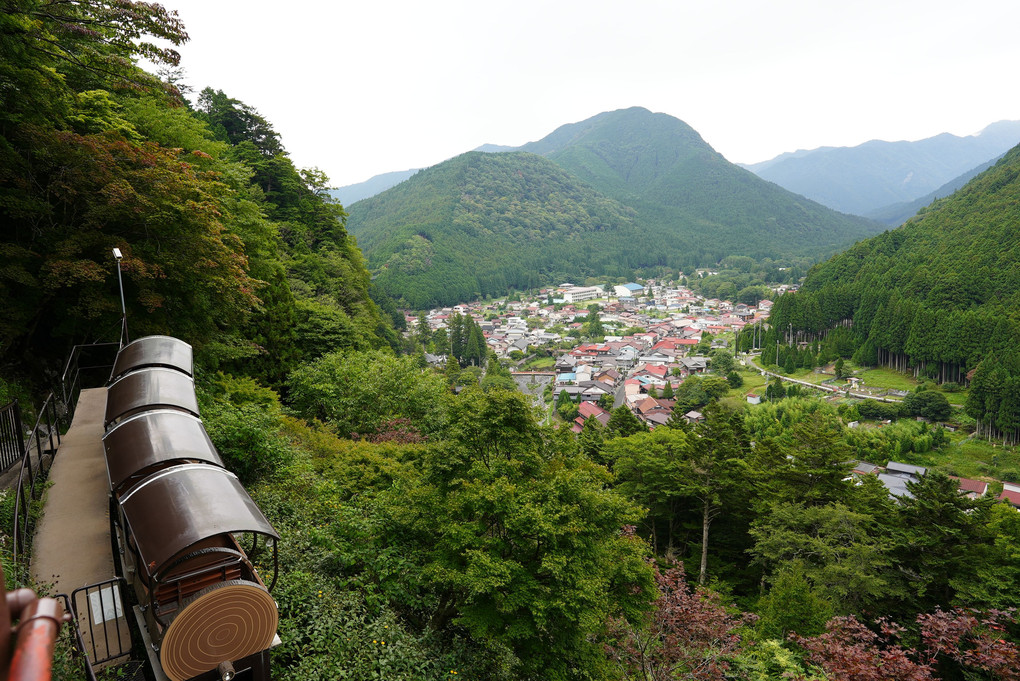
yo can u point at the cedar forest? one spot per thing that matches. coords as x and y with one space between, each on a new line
430 532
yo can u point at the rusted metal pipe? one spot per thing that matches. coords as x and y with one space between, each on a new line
37 633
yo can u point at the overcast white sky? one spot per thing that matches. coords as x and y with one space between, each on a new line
360 88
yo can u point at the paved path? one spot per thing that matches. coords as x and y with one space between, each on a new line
72 542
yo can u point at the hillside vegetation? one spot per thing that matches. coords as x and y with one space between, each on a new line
940 295
225 242
481 224
623 190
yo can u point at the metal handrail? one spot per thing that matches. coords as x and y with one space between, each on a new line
51 435
12 435
70 380
54 416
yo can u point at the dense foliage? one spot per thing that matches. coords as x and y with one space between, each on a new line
940 295
499 548
625 190
481 224
225 242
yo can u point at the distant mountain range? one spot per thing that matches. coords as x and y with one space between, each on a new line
870 178
898 213
620 191
353 193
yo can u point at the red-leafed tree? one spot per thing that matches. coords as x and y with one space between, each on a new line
973 640
689 634
850 651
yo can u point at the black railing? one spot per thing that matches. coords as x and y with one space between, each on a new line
87 365
12 436
43 439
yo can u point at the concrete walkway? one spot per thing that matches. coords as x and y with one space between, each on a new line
72 541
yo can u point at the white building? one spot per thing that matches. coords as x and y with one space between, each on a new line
580 294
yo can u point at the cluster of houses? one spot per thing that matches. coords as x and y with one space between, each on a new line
673 314
633 368
895 476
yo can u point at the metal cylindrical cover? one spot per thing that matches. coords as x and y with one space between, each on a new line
154 351
178 507
153 439
155 388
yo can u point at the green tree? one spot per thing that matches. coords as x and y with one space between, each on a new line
519 538
593 324
591 439
721 362
841 552
358 393
623 423
930 404
938 539
817 462
792 605
713 468
649 470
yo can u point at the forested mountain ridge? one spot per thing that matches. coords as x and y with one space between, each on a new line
663 168
876 174
484 223
225 242
671 201
941 294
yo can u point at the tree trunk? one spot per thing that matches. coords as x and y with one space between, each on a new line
706 520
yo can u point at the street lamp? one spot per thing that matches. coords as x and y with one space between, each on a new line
118 256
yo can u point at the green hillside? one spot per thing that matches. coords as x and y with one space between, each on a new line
644 190
225 242
680 185
483 223
940 295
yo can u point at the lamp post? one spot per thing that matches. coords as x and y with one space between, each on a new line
123 309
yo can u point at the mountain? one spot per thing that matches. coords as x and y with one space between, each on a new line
876 174
353 193
941 294
494 148
480 224
898 213
628 189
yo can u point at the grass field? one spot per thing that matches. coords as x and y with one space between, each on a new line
979 459
539 364
881 377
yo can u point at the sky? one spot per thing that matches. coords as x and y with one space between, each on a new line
359 88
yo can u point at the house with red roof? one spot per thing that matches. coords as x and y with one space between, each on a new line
1010 493
971 488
